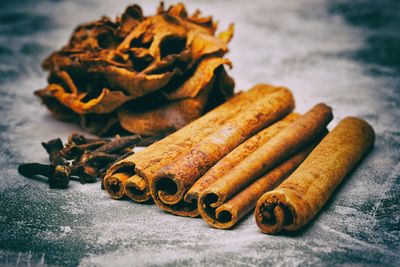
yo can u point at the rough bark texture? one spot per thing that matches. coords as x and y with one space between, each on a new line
299 198
229 213
174 180
148 162
292 139
235 156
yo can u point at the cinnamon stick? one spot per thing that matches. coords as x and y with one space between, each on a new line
174 180
136 188
290 140
143 165
299 198
229 213
235 156
114 184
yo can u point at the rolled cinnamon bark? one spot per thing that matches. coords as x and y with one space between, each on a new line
143 165
136 188
115 184
290 140
299 198
229 213
174 180
235 156
189 208
148 161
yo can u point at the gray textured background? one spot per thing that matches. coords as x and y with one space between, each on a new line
345 53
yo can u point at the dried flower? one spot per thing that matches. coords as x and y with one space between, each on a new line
149 75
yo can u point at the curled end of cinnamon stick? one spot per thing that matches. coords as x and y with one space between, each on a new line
226 217
168 190
114 184
210 209
274 213
191 197
136 189
168 195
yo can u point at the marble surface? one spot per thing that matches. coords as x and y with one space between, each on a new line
344 53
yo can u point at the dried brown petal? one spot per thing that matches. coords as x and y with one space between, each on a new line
139 37
206 22
94 35
203 44
106 102
109 70
59 111
170 62
165 119
227 35
166 29
204 72
132 16
178 10
59 60
132 83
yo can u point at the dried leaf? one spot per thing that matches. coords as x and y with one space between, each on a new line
132 16
132 83
59 111
106 102
94 35
203 74
165 119
203 44
154 74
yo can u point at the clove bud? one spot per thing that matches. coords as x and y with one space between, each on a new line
58 175
119 143
75 151
82 158
78 139
53 148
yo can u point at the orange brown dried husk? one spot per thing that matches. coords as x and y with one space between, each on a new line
107 64
165 119
203 74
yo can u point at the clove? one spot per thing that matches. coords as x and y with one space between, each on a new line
58 176
81 158
78 139
101 158
119 143
53 148
32 169
75 151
